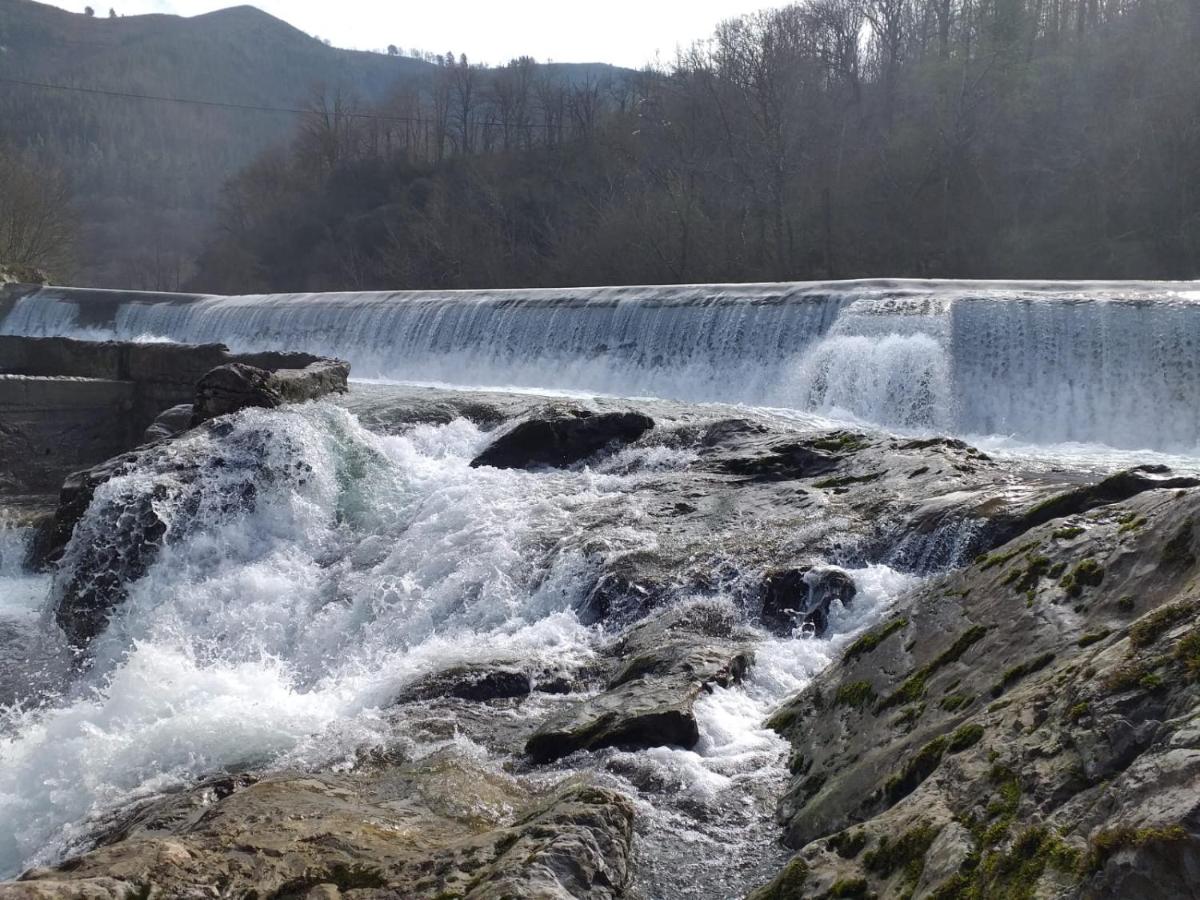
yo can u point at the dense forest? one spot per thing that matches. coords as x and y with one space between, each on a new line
145 175
827 139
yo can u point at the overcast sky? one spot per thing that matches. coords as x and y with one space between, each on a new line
625 32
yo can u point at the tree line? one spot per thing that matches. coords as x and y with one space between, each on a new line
826 139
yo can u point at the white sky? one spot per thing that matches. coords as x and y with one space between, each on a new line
624 32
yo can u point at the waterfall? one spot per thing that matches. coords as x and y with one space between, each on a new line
1103 363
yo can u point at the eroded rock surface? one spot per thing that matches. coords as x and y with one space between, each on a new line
439 827
1026 726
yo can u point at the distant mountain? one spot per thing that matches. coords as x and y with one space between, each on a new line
147 174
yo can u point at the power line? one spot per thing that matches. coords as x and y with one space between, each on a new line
218 104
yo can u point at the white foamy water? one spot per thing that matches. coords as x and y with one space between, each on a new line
272 629
1116 364
708 825
21 592
314 569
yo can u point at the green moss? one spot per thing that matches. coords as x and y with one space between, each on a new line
1088 573
840 442
1187 651
913 687
857 694
1000 558
1150 628
1016 673
955 702
787 885
872 639
783 719
1131 522
906 853
1131 676
915 770
847 480
1178 550
1027 579
1113 840
1070 531
848 887
1016 873
1078 711
1093 637
965 737
1126 604
1151 681
848 844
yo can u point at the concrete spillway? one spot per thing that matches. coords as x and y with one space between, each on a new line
1108 363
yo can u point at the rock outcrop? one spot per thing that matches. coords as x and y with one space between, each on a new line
1023 727
562 439
438 827
236 386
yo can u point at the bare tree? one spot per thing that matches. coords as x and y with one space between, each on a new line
36 223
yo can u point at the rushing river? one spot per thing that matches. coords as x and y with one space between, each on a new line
275 634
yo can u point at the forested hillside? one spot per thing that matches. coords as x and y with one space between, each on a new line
831 138
145 176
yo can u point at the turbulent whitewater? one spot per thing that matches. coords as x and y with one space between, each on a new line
1115 364
321 574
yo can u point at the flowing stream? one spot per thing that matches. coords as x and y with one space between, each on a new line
1114 364
276 633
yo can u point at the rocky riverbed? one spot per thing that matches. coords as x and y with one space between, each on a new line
422 643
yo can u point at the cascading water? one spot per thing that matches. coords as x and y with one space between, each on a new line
1113 364
320 568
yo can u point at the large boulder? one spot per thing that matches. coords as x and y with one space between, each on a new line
562 440
237 386
169 423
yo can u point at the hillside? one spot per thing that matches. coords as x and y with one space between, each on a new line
147 174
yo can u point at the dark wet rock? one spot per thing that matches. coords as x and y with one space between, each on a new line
726 432
127 531
622 595
663 665
1033 713
478 683
782 462
439 827
562 440
169 423
1114 489
799 597
230 388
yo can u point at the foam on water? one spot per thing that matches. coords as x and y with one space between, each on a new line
21 592
722 794
271 631
1116 364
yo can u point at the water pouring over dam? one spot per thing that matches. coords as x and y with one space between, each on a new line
1103 363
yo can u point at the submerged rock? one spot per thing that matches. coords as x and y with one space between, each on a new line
665 663
562 440
798 598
